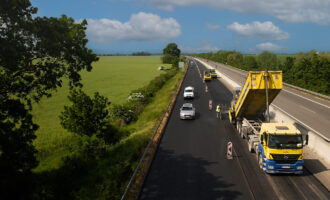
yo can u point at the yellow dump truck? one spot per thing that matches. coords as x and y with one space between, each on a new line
279 146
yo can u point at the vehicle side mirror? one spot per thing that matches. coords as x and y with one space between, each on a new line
262 139
307 138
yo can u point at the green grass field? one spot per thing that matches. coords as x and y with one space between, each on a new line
113 76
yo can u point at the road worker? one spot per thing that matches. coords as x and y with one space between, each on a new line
218 111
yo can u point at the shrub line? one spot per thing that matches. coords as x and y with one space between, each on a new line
136 181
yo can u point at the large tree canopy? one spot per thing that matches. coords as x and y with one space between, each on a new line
172 49
36 53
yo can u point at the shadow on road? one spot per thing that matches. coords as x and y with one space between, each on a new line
184 177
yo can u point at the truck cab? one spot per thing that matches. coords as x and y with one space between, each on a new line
280 149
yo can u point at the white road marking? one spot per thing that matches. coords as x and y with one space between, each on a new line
307 98
297 187
317 191
312 111
319 134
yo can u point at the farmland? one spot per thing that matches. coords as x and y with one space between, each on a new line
112 76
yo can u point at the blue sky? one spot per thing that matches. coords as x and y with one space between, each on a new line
249 26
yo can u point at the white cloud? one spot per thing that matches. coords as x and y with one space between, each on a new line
212 26
267 46
206 47
313 11
141 27
264 30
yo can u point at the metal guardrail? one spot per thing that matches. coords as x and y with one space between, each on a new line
150 142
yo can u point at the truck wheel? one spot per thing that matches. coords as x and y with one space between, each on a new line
260 160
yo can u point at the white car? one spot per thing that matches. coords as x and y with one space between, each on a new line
187 111
188 92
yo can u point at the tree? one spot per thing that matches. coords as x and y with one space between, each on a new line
250 62
171 54
267 60
85 116
235 58
35 54
172 49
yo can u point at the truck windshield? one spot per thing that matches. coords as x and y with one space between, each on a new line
285 141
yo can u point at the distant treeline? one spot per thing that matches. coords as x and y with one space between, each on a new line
307 70
140 53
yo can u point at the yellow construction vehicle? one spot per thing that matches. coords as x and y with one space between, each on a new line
278 145
213 73
207 76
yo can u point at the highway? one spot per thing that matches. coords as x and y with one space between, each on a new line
312 112
191 163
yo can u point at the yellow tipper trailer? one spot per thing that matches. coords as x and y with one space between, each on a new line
252 99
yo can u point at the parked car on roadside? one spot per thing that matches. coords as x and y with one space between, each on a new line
187 111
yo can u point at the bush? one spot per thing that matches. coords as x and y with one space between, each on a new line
89 117
129 111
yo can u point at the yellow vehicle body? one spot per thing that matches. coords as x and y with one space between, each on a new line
213 73
252 99
207 76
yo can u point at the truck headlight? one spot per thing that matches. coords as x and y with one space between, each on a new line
300 168
270 166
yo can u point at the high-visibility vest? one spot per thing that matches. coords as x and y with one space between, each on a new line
218 108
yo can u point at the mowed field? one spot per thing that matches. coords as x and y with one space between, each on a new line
112 76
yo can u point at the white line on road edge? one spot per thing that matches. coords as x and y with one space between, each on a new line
240 71
310 128
307 98
309 110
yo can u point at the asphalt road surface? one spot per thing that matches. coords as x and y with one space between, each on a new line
311 111
191 163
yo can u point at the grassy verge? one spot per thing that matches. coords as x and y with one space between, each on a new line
113 76
106 177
